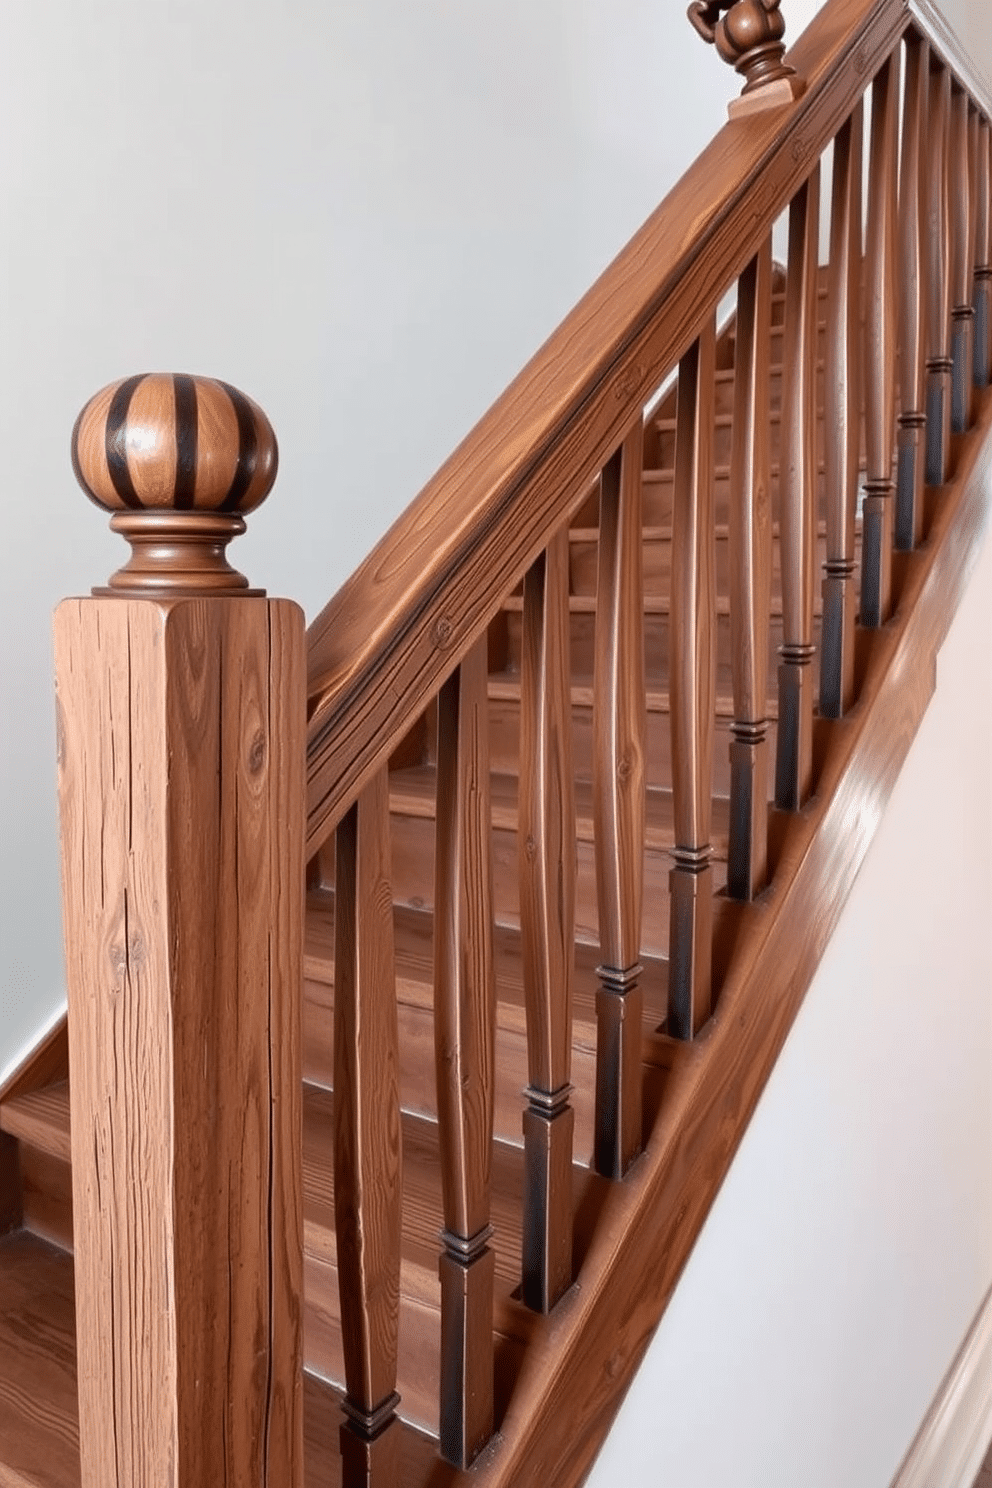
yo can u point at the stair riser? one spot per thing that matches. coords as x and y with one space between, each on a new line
582 638
504 744
418 1092
46 1189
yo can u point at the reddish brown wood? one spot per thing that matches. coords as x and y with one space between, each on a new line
692 674
938 290
618 762
842 421
983 265
912 187
367 1144
547 923
748 34
181 728
10 1185
465 1036
797 496
961 192
750 581
880 350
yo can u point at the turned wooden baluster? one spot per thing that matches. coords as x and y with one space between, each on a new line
797 502
367 1141
962 266
748 34
750 522
692 684
912 415
983 267
938 292
547 919
464 1041
880 351
181 711
618 773
842 420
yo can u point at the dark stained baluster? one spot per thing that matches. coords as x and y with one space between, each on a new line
797 486
880 351
912 415
547 920
619 729
962 266
938 292
692 673
464 1039
842 420
750 521
983 269
367 1142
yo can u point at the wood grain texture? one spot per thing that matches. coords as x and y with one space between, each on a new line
750 541
579 1368
180 729
797 496
693 691
367 1144
912 379
39 1118
983 266
546 868
465 1041
39 1431
938 287
618 784
402 622
961 191
47 1064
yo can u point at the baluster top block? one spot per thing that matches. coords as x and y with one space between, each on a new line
172 442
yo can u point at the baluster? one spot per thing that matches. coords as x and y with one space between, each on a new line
938 296
618 768
797 496
547 918
912 417
181 703
367 1140
692 685
963 263
464 1040
750 521
983 268
842 420
880 351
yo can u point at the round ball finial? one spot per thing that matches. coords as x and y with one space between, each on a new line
179 461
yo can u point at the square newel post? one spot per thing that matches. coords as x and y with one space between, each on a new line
181 719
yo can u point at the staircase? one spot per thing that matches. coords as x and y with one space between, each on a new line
626 1220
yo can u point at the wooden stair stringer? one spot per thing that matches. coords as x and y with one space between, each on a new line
586 1352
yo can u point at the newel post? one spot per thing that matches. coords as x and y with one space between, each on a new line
748 34
181 700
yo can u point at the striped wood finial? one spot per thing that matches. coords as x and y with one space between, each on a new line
179 461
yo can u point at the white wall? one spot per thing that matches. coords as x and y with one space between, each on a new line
367 216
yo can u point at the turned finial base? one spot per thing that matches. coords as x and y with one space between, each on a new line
772 94
177 554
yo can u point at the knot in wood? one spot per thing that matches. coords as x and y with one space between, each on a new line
256 754
624 767
443 632
530 849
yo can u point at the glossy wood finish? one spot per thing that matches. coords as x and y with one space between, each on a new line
842 421
983 259
938 292
367 1144
797 496
546 838
750 581
464 1039
961 191
180 737
911 439
748 34
382 647
880 351
618 763
692 673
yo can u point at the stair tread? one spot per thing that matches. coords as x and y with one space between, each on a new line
663 532
39 1412
412 792
41 1118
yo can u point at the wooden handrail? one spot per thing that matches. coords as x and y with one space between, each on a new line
381 648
